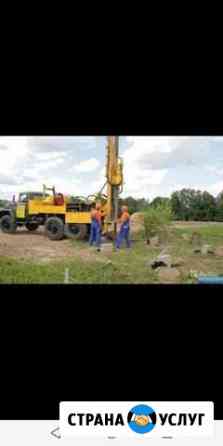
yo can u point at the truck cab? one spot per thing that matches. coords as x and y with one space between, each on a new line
17 213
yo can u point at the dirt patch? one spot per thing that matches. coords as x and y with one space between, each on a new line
219 251
154 241
169 275
25 245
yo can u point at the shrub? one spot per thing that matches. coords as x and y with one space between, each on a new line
157 219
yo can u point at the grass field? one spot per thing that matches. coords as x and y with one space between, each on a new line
127 266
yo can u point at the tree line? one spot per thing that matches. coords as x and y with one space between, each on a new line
186 204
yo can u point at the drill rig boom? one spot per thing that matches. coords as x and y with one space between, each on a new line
114 175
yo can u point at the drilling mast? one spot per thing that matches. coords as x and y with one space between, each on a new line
114 176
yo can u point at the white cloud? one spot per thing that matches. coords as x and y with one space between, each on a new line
99 181
217 171
87 166
50 156
214 189
30 162
140 180
16 150
159 165
152 165
166 153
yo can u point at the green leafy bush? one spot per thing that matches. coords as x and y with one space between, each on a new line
157 219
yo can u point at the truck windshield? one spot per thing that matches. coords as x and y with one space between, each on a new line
23 198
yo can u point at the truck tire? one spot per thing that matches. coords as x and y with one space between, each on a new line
32 226
8 224
76 231
54 228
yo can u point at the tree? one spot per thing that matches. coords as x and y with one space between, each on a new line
159 201
181 203
190 204
219 207
204 207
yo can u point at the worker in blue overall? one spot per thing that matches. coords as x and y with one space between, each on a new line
123 233
95 234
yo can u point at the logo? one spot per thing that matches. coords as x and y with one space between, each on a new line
115 419
141 419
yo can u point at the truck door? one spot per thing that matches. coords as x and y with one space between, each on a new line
22 207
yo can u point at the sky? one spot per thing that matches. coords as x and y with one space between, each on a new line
153 166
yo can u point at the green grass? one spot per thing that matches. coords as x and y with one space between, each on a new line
210 233
121 267
207 265
127 266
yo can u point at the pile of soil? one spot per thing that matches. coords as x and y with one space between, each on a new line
137 222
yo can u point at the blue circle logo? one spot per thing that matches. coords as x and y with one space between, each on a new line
142 419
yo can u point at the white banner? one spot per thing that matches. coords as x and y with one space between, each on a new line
136 419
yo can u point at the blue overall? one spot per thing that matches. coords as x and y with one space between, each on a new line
123 235
95 234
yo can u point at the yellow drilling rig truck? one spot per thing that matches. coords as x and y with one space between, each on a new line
68 216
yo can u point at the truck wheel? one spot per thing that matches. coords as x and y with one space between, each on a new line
54 228
7 224
32 226
75 231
